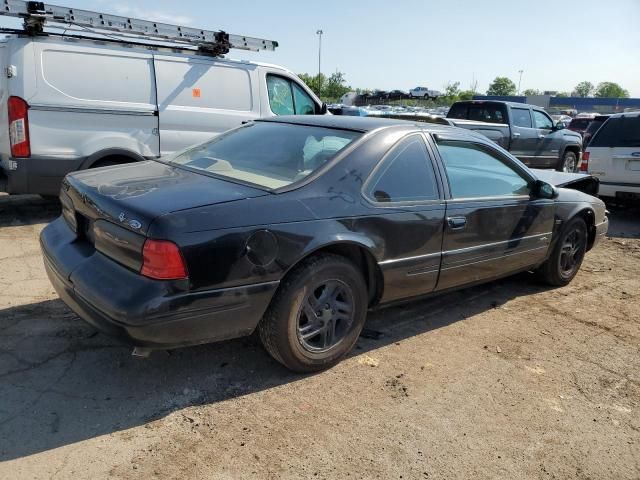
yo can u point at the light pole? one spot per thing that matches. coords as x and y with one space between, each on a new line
520 81
319 33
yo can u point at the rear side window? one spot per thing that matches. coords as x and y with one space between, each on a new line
405 175
618 132
521 117
288 98
481 112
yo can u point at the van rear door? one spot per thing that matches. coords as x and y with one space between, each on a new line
614 152
199 98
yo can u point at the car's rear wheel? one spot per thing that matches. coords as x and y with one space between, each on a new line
569 162
317 314
567 255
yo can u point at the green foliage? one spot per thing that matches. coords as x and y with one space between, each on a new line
331 88
584 89
466 95
530 92
502 86
611 90
562 94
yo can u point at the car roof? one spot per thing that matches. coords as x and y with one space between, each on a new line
362 124
626 114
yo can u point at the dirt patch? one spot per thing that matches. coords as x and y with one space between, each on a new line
507 380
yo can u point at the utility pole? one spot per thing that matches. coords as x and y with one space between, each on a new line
319 33
520 81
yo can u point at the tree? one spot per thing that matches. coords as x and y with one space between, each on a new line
466 95
502 86
312 82
335 86
611 90
584 89
530 92
562 94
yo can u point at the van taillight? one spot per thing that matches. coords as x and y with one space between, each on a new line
162 260
584 165
19 127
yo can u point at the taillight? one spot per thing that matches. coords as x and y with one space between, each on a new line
19 127
584 165
162 260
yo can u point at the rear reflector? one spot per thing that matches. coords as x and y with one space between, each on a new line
584 165
19 127
162 260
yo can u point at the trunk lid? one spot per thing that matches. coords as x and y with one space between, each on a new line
133 195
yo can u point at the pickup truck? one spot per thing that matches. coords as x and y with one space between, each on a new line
527 131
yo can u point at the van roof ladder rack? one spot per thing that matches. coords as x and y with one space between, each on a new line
38 15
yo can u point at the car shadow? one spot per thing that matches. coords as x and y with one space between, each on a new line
19 210
62 382
624 222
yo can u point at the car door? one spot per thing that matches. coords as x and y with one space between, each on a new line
524 137
493 226
549 140
406 206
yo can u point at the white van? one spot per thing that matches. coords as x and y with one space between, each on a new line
613 156
69 104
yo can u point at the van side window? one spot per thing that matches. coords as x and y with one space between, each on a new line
288 98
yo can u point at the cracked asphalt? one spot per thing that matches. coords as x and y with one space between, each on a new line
508 380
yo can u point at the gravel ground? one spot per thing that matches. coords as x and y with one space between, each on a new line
508 380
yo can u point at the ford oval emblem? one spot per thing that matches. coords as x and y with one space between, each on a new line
136 225
636 154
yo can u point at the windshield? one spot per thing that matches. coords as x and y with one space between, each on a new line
270 155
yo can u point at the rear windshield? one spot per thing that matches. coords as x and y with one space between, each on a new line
480 112
618 132
580 123
594 126
269 155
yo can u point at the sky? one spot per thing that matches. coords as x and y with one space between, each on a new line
402 44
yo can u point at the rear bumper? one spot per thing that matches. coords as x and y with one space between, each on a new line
142 311
611 189
39 175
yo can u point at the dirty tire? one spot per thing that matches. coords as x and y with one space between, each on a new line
569 162
557 270
280 329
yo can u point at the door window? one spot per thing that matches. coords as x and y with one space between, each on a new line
542 120
521 117
475 171
288 98
405 175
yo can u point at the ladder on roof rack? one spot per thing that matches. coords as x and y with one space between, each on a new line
38 15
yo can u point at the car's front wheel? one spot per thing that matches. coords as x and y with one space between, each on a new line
567 255
317 314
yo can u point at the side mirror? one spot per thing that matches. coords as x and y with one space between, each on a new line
545 190
560 126
322 109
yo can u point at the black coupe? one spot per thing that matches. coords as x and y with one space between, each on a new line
297 226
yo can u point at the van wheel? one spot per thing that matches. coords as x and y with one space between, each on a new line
317 314
569 162
567 255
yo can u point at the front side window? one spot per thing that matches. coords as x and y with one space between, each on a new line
474 171
267 154
542 120
521 117
405 175
288 98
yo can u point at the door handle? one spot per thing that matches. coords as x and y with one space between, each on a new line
456 223
516 134
541 136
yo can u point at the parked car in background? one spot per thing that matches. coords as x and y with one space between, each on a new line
593 127
527 131
396 95
613 156
424 92
77 104
580 123
566 119
297 226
